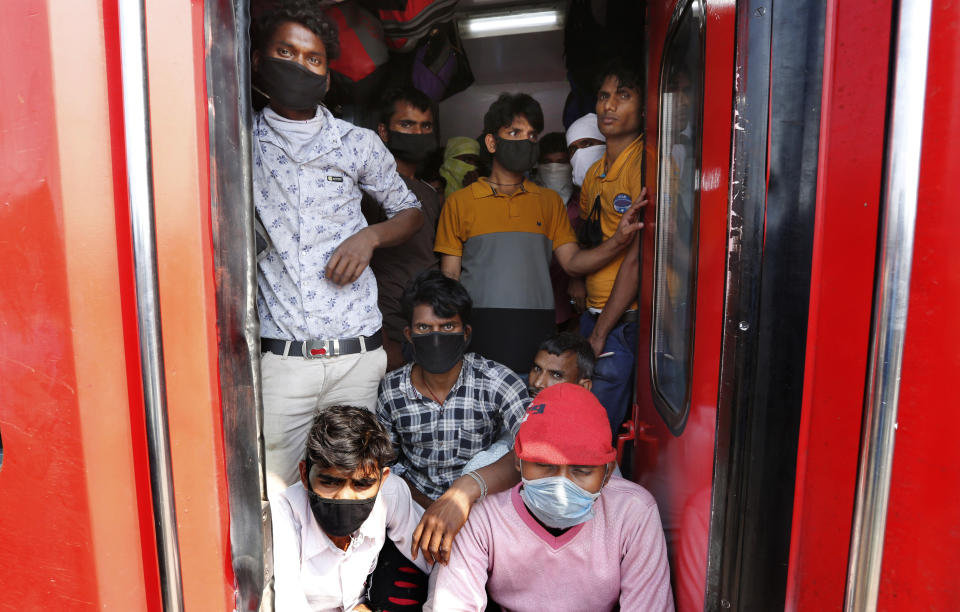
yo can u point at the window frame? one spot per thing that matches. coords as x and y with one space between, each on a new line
675 419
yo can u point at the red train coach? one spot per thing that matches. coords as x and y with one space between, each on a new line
795 414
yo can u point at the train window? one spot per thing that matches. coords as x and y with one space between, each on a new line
675 267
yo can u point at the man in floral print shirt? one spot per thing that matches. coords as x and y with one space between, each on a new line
317 297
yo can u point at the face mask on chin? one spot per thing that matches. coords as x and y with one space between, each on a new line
582 159
438 352
289 85
517 156
412 148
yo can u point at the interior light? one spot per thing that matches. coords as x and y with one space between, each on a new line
480 26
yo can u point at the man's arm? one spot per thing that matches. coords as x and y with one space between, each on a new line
460 586
286 558
353 255
579 262
450 266
644 573
622 295
444 517
402 514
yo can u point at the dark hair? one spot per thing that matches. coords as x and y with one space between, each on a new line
626 74
348 438
507 106
554 142
308 14
566 341
445 295
413 96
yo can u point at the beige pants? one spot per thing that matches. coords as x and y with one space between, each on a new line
296 389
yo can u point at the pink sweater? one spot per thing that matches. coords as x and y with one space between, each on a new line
618 555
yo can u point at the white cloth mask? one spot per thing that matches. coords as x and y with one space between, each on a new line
582 159
557 176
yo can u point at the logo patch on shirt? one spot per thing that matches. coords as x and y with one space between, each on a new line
335 179
622 202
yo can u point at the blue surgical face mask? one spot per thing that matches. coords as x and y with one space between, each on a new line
558 502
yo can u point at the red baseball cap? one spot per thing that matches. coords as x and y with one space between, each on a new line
565 425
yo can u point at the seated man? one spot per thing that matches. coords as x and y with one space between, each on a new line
571 537
445 408
565 357
329 528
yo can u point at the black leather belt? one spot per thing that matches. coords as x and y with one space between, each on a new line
629 316
316 349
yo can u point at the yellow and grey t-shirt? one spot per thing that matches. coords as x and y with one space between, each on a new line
505 244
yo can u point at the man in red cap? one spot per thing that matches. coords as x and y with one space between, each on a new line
571 536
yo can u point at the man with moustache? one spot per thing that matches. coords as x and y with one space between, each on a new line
609 187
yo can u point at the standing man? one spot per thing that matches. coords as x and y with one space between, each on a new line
498 234
407 127
317 298
610 185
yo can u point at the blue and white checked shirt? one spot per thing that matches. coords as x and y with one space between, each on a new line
434 442
307 177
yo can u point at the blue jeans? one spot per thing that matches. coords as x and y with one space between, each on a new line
613 377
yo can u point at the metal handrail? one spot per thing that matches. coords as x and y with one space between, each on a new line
136 119
891 301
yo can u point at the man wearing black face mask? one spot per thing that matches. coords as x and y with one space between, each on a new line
445 408
317 298
407 127
329 527
498 234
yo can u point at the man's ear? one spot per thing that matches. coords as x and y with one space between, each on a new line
491 142
586 383
255 59
516 463
385 473
467 332
406 333
304 477
382 130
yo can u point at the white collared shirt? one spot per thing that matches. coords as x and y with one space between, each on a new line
307 180
311 573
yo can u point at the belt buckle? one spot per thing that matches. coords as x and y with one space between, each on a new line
318 349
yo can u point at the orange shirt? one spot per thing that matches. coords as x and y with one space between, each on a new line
618 188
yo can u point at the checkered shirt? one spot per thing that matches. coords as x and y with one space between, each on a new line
434 442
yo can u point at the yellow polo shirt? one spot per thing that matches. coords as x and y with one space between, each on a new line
617 190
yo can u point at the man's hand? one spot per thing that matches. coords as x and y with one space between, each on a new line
630 222
351 258
596 342
361 608
440 524
577 290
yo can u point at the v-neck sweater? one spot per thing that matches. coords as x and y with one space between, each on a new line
619 555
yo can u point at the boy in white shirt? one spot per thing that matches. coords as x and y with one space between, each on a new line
329 528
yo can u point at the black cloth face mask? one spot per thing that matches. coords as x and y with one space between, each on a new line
290 85
517 155
413 148
438 352
340 517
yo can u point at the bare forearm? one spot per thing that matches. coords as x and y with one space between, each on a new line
450 266
624 291
397 230
499 476
587 261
